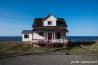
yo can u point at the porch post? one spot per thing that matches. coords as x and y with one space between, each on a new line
54 40
47 40
52 35
66 45
47 35
67 35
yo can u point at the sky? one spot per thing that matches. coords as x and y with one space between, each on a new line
81 16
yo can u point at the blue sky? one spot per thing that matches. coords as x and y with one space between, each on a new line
81 15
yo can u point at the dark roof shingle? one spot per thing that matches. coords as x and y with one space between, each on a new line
26 31
38 22
46 17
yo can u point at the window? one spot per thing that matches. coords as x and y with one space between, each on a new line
58 35
49 22
41 33
26 36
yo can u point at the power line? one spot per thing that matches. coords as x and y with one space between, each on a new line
14 17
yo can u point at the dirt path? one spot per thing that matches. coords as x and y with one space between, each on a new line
49 60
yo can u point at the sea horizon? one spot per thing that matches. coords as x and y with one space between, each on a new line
79 38
68 36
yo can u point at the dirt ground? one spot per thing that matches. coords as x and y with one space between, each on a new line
51 59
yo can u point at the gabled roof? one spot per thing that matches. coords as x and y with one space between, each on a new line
46 17
61 22
38 22
26 31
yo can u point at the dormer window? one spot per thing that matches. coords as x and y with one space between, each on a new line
49 22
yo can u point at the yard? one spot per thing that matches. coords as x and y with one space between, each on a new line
8 49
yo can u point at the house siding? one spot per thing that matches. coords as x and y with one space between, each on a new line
62 35
51 18
27 39
37 36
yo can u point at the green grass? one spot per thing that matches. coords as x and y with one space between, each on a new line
83 50
8 49
15 48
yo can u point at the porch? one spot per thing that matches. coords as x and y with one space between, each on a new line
50 37
43 41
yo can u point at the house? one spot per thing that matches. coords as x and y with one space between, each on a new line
47 30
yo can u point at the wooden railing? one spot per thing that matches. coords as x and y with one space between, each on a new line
50 41
59 40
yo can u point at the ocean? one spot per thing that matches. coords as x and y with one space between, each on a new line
83 38
10 38
19 38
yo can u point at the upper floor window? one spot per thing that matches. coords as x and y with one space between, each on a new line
26 36
49 22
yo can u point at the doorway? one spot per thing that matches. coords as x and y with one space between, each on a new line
49 36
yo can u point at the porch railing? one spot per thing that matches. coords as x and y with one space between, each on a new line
50 41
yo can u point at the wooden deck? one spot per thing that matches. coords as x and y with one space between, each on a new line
49 41
54 43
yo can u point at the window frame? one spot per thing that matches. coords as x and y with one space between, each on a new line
49 22
26 36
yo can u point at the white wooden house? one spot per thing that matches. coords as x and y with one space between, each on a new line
47 30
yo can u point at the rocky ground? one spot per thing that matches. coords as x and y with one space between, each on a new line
24 54
51 59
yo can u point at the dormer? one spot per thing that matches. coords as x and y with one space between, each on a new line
49 20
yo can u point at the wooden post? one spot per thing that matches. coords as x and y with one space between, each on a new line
54 36
67 40
47 36
52 39
67 35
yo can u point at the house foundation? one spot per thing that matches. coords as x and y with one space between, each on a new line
52 45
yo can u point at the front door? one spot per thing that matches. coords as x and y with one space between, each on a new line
58 35
49 36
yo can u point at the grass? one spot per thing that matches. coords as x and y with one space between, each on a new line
15 48
82 50
8 49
